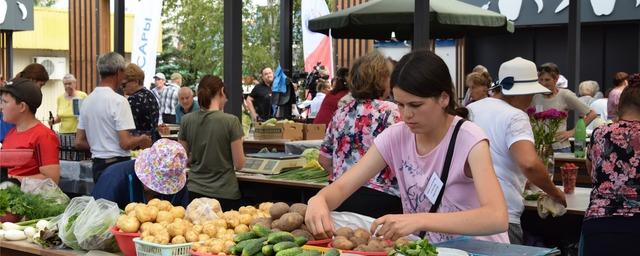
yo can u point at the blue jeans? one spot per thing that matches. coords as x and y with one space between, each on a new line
563 150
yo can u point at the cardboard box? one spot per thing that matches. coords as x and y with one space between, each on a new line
279 131
314 131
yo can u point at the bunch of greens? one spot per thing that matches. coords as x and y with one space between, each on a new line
311 154
309 174
13 200
420 247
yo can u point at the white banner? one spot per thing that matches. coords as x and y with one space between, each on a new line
145 37
316 46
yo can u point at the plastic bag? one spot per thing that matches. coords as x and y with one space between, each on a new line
201 210
69 218
45 188
354 221
93 224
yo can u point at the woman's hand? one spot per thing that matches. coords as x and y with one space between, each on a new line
318 218
394 226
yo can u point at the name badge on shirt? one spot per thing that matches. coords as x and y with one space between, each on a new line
433 188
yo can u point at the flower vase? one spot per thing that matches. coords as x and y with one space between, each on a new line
545 153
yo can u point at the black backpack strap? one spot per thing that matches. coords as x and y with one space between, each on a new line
445 169
447 164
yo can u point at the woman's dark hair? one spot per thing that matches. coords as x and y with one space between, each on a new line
340 81
208 88
619 78
424 74
368 76
35 72
549 68
630 97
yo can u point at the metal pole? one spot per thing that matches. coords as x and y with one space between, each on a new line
233 56
573 46
9 39
285 36
118 26
421 25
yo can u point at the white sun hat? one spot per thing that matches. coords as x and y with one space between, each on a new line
519 77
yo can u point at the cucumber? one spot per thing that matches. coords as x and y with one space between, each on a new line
311 253
290 252
260 230
283 246
239 247
267 250
245 236
300 240
252 247
332 252
279 236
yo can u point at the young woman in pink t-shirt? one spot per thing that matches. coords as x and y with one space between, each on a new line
472 203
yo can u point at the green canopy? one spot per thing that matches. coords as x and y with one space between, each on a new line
376 19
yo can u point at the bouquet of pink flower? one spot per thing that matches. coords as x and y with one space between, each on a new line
545 125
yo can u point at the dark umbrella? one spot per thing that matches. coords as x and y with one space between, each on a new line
377 19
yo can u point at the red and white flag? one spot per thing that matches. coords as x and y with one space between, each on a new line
316 46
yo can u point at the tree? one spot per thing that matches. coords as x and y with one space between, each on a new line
44 3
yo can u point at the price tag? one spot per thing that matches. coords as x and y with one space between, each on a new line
433 188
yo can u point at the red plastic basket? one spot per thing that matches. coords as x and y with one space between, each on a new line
362 253
320 243
125 241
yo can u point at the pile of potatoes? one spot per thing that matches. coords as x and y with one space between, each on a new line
361 240
287 218
162 223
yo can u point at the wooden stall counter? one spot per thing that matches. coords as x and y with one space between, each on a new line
261 178
254 145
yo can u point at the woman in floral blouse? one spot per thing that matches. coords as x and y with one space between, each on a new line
352 130
612 221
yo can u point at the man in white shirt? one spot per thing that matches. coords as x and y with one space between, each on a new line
322 89
167 95
511 138
105 119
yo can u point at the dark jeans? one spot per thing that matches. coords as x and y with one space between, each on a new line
226 204
610 236
372 203
99 165
168 119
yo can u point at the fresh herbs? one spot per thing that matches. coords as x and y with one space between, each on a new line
13 200
420 247
310 174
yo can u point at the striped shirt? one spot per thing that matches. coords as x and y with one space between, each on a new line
167 99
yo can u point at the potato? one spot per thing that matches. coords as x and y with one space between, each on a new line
178 240
360 248
265 206
156 229
176 229
299 208
164 216
359 240
220 223
191 236
343 244
128 224
164 206
291 221
265 222
203 237
362 233
277 224
149 238
154 202
303 233
232 223
278 209
177 212
130 207
402 241
344 231
197 228
210 230
242 228
230 215
146 213
227 245
221 232
247 210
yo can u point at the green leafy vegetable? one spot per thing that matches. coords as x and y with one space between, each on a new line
420 247
13 200
311 154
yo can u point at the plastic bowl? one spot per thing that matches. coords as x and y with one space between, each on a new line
320 243
125 241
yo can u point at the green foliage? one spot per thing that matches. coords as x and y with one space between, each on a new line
14 201
44 3
193 38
